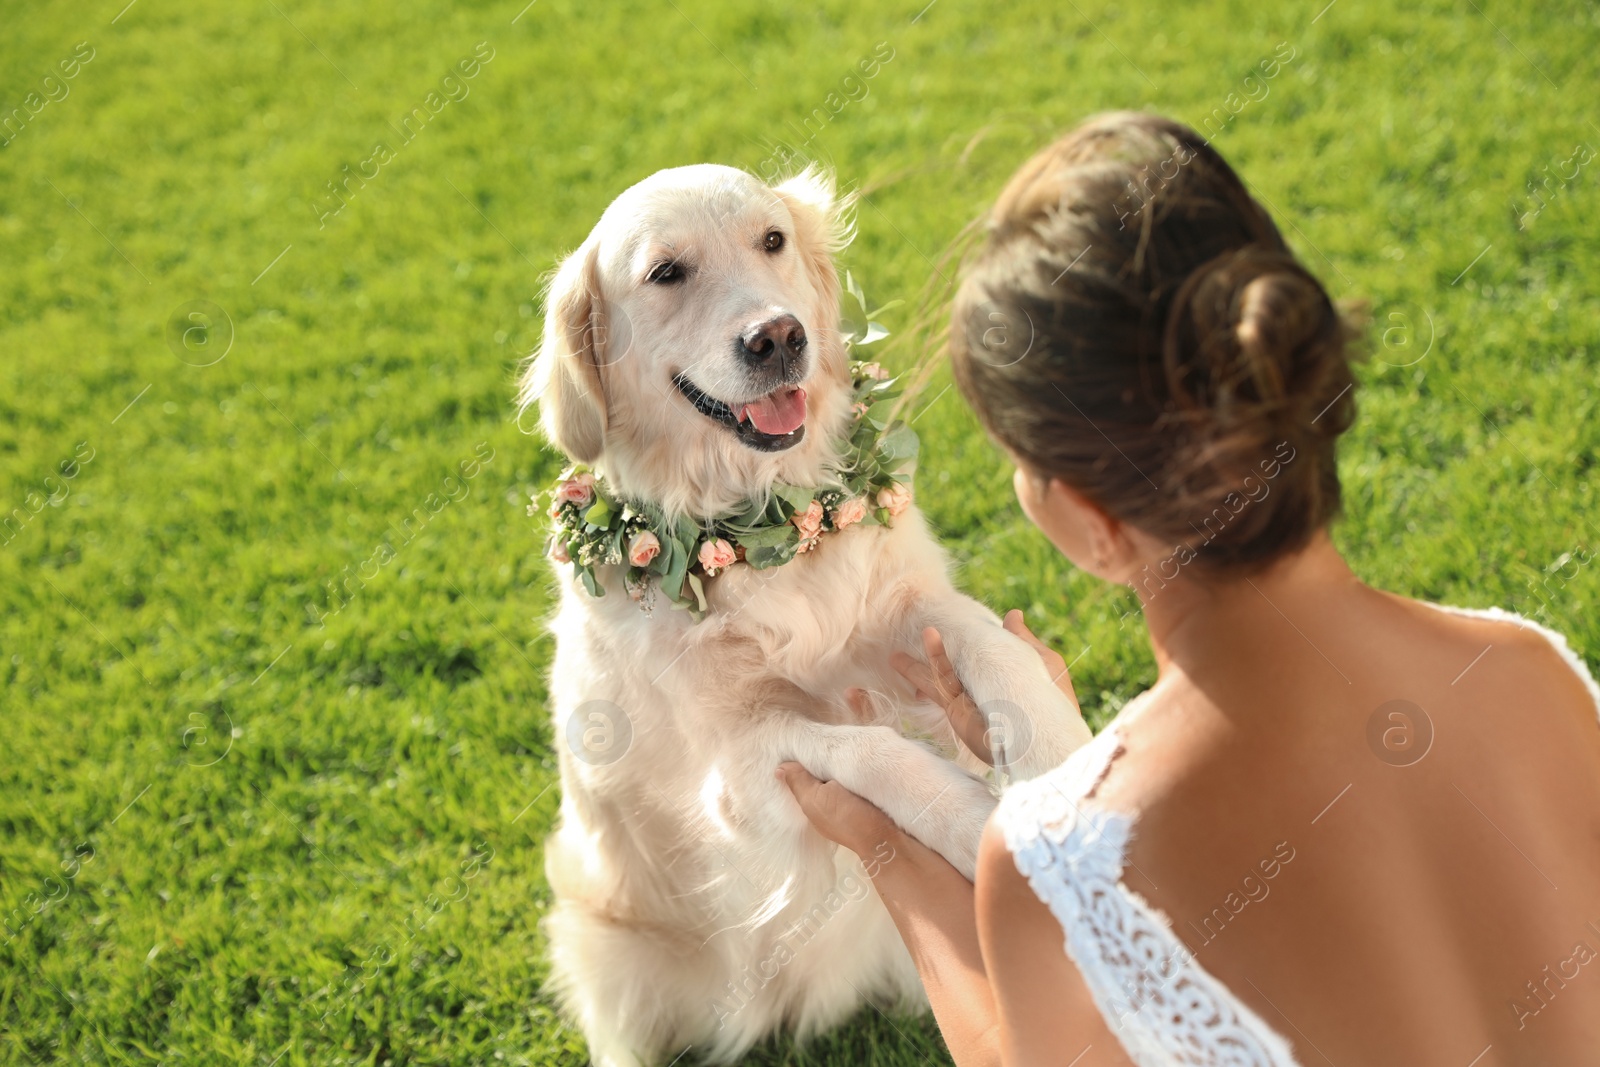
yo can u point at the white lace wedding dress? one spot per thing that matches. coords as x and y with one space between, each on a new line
1155 997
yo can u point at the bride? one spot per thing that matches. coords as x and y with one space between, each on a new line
1343 826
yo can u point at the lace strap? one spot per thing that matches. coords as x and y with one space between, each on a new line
1163 1006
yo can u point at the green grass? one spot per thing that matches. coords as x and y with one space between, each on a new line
279 810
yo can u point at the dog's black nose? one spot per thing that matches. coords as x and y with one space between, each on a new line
781 336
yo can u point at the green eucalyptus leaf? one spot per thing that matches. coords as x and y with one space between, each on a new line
751 515
899 442
672 580
771 536
762 558
698 588
851 327
873 333
853 287
663 562
797 498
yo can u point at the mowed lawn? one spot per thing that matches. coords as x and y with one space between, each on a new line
275 768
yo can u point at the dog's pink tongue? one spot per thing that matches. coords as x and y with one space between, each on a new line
778 413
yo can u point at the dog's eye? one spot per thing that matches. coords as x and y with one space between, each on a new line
774 242
669 273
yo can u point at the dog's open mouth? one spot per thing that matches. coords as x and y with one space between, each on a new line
770 423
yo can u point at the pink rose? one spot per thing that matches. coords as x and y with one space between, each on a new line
559 553
858 409
716 554
809 521
896 498
849 513
643 548
579 490
874 371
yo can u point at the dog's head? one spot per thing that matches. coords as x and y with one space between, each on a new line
691 348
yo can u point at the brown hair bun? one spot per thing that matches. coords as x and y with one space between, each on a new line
1158 347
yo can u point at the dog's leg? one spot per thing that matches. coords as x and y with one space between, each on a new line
1032 723
929 797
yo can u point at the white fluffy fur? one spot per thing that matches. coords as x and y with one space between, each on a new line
694 904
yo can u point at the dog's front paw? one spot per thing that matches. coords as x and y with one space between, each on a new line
952 824
927 796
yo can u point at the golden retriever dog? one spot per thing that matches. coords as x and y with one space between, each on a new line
692 356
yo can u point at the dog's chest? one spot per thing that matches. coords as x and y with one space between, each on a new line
810 619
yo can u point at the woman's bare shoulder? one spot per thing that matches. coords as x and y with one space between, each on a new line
1518 661
1162 740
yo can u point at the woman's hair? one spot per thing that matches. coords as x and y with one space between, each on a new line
1135 325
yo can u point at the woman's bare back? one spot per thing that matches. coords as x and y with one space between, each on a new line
1378 823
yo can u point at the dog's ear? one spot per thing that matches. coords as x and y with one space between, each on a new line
823 228
564 376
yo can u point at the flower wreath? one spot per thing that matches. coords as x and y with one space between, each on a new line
593 527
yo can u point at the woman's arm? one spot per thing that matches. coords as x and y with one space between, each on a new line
1028 1003
1044 1013
992 959
932 907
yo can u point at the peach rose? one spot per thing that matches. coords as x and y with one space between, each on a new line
643 548
849 512
579 490
896 498
559 553
716 554
809 521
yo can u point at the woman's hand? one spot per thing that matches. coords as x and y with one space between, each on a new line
838 814
937 681
929 900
